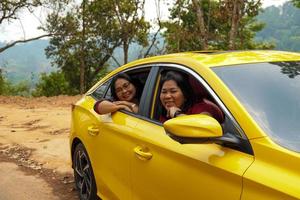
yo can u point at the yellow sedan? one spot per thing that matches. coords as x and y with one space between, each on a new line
252 154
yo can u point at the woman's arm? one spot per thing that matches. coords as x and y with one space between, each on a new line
105 107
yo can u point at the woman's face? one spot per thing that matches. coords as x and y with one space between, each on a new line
171 95
124 89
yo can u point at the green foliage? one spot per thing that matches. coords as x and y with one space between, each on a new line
86 35
131 24
2 82
52 84
7 88
20 89
296 3
55 83
282 28
182 31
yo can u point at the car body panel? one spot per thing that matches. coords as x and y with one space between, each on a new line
275 173
106 162
112 163
190 171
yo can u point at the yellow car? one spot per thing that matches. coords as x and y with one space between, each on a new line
253 154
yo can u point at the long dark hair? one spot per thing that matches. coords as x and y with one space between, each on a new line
181 80
134 82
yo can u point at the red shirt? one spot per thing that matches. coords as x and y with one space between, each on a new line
200 107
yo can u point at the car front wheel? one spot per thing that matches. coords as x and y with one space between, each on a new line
83 174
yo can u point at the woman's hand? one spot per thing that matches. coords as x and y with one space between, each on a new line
172 110
129 106
125 103
120 107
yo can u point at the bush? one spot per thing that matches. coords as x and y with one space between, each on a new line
52 84
20 89
7 88
2 82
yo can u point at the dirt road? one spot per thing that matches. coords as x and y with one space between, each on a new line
34 148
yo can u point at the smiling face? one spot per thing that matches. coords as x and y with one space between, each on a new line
124 89
171 95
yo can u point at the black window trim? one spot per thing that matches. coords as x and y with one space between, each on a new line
148 92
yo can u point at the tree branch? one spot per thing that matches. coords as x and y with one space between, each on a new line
152 42
22 41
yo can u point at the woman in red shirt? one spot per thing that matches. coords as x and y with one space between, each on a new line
177 98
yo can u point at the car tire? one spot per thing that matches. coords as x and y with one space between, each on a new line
83 174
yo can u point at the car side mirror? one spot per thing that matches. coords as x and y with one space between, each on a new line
194 126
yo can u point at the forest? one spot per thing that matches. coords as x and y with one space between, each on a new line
87 37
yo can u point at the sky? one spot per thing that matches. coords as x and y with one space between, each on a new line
14 31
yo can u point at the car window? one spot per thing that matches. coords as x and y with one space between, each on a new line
229 126
100 91
139 76
270 93
196 95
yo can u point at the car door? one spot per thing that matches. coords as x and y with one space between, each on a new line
114 150
165 169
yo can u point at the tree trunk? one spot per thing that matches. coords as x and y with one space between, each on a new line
234 24
125 48
201 24
82 71
82 59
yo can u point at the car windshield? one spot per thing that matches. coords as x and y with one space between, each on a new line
271 94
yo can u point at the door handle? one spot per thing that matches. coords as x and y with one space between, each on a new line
93 131
142 153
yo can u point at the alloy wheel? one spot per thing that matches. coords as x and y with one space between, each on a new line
83 175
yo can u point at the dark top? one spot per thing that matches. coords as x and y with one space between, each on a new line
202 106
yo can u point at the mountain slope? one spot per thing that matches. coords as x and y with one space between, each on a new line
24 60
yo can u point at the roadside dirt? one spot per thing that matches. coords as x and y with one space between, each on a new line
34 142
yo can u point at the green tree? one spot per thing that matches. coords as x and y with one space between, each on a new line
205 24
80 45
131 23
86 35
296 3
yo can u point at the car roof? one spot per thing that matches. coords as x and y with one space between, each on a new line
221 58
210 59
